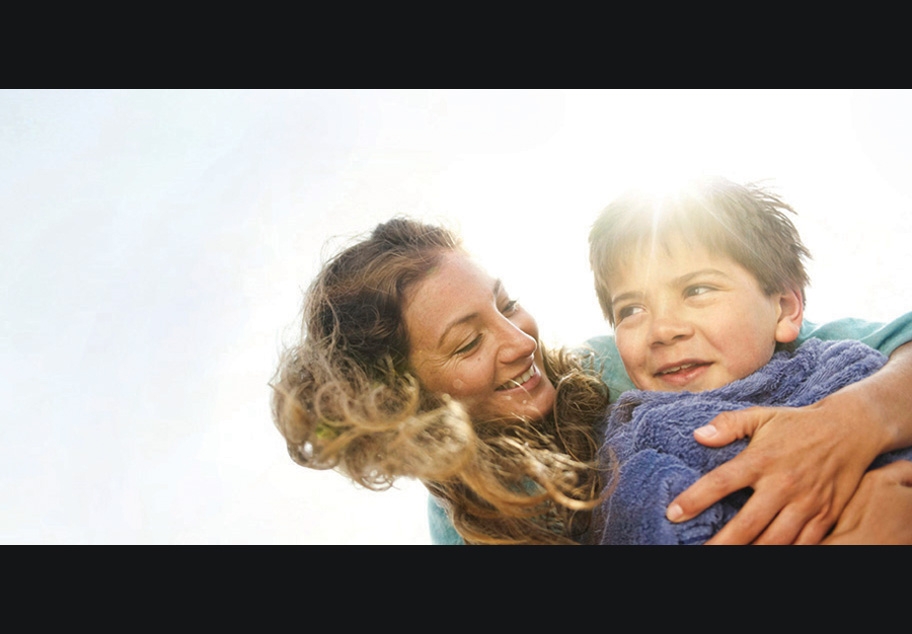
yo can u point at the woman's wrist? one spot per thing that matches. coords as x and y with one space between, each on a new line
878 409
890 399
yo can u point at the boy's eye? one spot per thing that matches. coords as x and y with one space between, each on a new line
697 289
626 311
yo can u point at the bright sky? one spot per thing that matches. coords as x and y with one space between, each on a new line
155 244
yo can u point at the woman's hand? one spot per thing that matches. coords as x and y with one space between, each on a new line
802 470
803 464
880 512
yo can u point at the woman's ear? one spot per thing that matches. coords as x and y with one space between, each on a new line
791 315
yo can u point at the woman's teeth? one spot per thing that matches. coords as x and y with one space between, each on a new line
528 374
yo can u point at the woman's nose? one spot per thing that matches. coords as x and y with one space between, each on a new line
516 343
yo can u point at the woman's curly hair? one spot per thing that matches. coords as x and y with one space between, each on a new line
345 398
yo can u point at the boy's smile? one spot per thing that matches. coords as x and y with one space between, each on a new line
686 319
684 373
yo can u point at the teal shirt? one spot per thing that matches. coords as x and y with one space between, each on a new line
884 337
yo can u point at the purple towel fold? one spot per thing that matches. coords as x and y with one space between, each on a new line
650 435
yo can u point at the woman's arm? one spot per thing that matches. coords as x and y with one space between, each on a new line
804 464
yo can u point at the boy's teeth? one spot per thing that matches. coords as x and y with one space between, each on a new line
518 380
677 368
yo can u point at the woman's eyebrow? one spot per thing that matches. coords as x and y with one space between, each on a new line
461 320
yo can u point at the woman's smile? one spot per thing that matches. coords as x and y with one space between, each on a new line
520 381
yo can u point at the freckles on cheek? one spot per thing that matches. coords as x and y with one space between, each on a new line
465 381
461 385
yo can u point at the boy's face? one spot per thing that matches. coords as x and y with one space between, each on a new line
689 320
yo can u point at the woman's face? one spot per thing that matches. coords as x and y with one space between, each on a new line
470 340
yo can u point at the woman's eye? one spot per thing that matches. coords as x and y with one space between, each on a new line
510 307
469 346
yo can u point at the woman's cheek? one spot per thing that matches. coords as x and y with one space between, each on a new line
470 385
464 386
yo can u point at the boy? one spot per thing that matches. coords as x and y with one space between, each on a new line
705 291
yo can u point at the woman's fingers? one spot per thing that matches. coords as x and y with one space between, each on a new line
801 466
728 427
880 512
747 525
899 472
709 489
732 476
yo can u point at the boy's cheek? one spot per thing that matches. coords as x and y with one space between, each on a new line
627 348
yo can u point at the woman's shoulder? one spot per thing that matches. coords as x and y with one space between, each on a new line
442 531
885 337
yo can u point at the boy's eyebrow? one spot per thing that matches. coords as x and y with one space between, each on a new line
465 318
683 279
626 296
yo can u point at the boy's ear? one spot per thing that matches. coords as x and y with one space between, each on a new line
791 315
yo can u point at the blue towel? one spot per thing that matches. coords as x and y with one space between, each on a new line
650 435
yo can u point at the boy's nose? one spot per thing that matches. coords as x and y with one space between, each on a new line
668 328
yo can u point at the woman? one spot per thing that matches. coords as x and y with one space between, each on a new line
415 362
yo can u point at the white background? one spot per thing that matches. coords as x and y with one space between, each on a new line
154 246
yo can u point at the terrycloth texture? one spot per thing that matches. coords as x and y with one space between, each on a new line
651 436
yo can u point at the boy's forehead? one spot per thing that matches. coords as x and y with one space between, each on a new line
663 258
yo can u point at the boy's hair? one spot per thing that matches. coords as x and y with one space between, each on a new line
745 222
